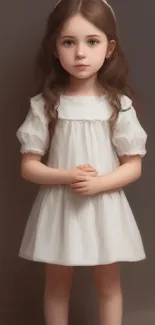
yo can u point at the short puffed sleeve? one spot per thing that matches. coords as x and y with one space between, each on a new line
129 137
33 133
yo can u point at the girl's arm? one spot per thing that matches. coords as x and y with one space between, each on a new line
33 170
129 139
129 171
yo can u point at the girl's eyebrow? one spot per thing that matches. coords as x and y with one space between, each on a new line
88 36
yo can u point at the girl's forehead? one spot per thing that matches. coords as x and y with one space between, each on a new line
78 25
104 1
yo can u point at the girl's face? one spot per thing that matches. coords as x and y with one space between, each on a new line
82 48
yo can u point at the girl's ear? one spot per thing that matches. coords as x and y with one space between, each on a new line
110 48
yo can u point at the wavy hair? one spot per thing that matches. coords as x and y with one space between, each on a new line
52 79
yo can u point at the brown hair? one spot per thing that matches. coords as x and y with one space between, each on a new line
53 79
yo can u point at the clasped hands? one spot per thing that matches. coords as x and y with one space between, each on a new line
85 180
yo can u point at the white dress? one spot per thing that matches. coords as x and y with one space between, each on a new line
67 229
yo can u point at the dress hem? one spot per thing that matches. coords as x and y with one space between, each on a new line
54 262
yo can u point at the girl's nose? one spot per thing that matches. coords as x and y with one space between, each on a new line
80 56
80 53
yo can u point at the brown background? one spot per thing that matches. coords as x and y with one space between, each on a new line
21 282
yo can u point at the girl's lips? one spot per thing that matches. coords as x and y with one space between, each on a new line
81 66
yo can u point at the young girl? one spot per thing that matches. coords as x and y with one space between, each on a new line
85 117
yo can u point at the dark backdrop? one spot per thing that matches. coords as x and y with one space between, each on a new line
21 282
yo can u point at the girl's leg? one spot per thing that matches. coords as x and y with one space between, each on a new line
58 283
107 279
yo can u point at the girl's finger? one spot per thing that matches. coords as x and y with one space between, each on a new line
93 174
89 169
78 185
86 167
81 191
82 178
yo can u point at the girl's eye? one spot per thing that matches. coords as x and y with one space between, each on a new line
68 43
93 42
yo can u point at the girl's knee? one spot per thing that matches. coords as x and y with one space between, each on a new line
107 279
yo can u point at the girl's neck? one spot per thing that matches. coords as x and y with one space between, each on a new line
83 87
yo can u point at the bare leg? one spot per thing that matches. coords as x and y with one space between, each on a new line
108 286
57 291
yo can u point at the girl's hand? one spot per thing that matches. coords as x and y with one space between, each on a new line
74 174
87 185
86 167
